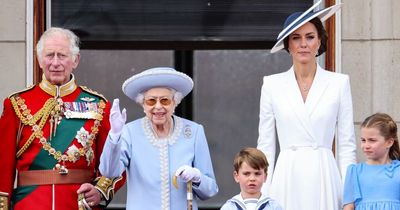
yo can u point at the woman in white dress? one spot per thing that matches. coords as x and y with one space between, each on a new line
304 108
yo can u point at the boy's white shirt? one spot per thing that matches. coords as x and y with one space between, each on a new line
250 203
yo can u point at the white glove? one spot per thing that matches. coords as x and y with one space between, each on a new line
187 173
117 118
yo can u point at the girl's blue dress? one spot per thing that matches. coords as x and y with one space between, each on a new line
373 187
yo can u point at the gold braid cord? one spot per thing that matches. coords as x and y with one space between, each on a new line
83 151
106 186
24 114
4 201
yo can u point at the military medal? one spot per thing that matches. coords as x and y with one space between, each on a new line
81 110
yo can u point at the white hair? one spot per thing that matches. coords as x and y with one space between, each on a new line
177 97
54 31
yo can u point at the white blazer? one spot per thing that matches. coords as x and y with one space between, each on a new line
328 110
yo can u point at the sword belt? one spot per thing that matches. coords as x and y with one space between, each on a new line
49 177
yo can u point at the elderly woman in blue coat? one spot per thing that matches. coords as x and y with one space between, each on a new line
159 146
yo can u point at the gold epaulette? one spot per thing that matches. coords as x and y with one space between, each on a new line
94 92
4 201
21 91
106 186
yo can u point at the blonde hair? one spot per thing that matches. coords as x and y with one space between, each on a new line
253 157
387 128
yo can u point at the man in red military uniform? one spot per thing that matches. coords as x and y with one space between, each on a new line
52 136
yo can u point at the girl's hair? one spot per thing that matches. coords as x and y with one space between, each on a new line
387 128
253 157
322 34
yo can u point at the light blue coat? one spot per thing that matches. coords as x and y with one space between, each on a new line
150 164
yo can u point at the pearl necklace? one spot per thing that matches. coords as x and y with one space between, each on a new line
152 136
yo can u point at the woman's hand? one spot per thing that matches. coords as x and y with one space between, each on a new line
117 118
187 173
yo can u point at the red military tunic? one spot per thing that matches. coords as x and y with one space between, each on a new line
76 142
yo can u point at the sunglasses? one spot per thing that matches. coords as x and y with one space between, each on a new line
153 101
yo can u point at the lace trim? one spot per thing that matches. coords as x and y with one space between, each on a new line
162 144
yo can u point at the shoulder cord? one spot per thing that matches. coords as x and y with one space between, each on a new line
43 114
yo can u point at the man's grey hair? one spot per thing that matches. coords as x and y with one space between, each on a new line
55 31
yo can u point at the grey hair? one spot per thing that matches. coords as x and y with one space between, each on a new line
54 31
178 96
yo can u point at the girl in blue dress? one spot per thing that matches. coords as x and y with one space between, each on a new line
375 184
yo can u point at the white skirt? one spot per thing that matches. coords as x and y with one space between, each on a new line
307 179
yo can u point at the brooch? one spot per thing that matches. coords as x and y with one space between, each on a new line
187 131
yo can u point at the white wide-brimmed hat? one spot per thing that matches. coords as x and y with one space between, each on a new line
157 77
297 19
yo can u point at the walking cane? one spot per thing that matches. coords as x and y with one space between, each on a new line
189 195
189 192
